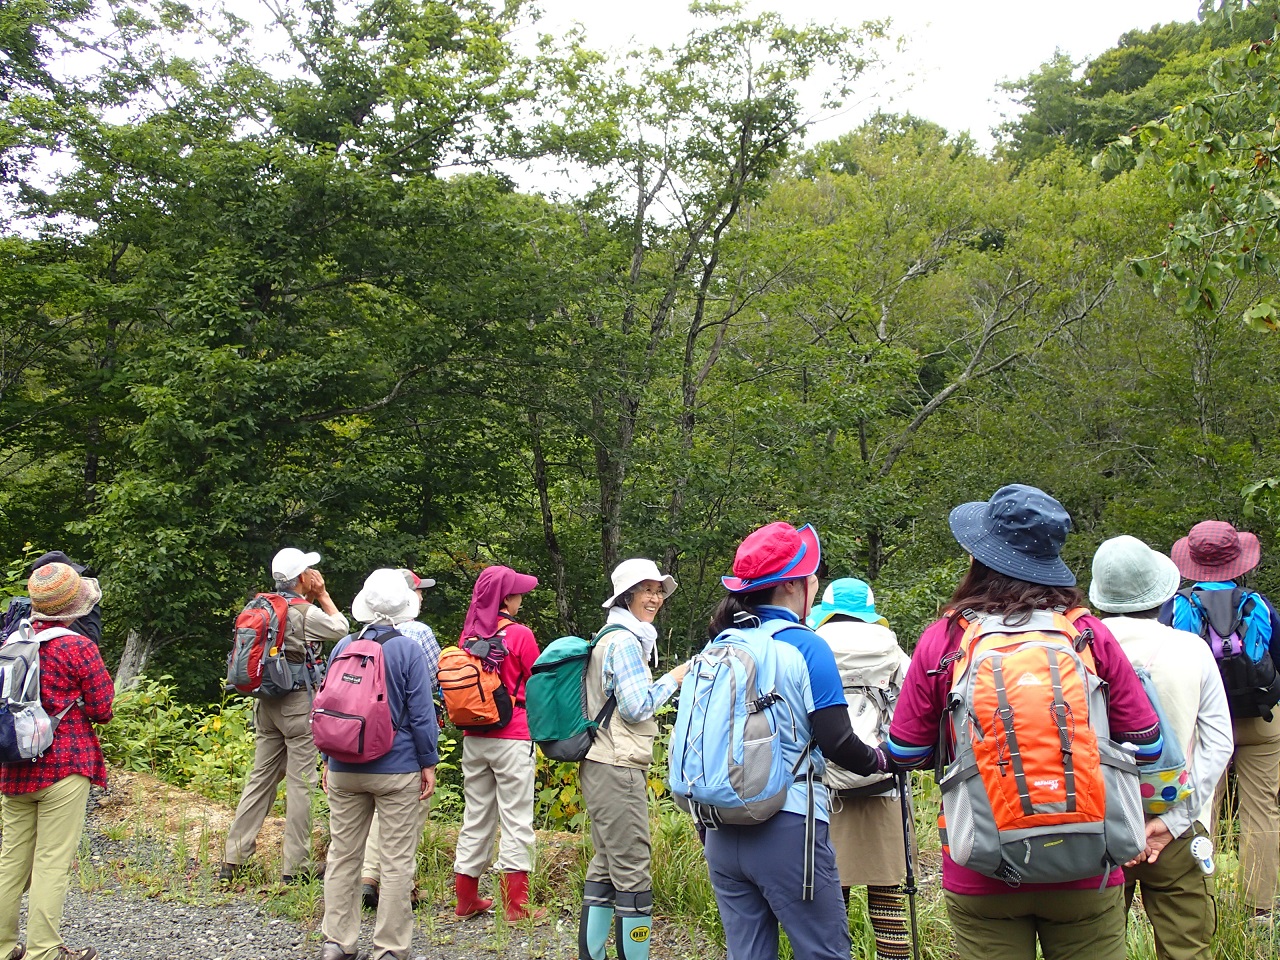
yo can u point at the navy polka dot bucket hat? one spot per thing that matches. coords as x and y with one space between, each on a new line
1018 532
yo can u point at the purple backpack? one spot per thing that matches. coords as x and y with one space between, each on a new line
350 717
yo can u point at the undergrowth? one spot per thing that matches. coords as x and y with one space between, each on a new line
209 751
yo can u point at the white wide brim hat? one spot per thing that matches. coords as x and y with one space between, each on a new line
630 572
385 598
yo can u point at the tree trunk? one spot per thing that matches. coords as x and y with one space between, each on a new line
548 527
137 651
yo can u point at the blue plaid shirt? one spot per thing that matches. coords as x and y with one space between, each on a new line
626 675
424 637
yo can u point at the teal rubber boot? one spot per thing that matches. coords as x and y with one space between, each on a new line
634 925
596 920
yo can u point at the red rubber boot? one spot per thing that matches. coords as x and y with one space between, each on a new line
515 898
469 900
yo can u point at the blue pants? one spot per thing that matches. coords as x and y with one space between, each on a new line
758 876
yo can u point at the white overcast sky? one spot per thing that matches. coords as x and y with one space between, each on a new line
956 52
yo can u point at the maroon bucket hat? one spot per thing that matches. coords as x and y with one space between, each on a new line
1214 550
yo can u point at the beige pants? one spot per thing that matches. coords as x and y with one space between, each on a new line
1257 765
373 846
353 798
497 788
283 750
41 835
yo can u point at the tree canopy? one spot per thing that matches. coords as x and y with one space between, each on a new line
252 301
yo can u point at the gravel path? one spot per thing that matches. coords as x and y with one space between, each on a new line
126 926
120 919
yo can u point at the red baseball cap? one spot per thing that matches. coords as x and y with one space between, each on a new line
772 554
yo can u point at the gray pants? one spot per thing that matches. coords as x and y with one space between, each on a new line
283 750
353 798
617 800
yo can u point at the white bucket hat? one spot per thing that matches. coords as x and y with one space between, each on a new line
385 598
291 562
1129 577
630 572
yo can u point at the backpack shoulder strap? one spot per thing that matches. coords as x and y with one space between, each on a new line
52 633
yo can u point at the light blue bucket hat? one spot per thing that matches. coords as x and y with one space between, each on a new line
849 596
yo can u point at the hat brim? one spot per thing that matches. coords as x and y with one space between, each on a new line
522 583
809 560
364 612
1160 591
424 583
86 599
1250 554
824 612
970 528
668 588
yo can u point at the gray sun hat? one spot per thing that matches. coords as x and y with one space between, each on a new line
1018 532
1129 577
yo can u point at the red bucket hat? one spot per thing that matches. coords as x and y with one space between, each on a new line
1214 550
772 554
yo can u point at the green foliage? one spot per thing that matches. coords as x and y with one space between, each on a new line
1218 153
204 749
1143 78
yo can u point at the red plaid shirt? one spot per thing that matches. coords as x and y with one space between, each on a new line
70 667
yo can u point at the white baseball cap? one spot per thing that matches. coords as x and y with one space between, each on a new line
291 562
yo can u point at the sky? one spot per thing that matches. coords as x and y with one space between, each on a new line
955 56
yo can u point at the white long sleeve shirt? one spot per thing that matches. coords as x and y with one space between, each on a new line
1184 672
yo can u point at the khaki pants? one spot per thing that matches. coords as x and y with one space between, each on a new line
617 800
1070 925
1178 899
1257 766
283 750
41 835
497 788
373 846
353 798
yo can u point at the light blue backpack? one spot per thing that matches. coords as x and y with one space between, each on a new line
726 757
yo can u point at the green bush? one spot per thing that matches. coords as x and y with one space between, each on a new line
204 749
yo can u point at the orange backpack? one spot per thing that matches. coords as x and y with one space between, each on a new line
1037 791
475 698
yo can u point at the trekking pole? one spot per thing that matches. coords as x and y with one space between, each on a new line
908 832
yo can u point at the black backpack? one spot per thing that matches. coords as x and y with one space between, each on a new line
1248 672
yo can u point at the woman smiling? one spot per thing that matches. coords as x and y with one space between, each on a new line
614 774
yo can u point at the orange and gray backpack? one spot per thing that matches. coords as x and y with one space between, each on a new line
475 698
1036 791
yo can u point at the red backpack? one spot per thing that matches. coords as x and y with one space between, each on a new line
351 717
256 664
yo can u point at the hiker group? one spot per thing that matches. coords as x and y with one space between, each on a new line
1080 757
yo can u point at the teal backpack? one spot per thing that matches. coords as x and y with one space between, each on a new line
556 698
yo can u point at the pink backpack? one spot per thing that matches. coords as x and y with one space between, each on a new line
350 717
